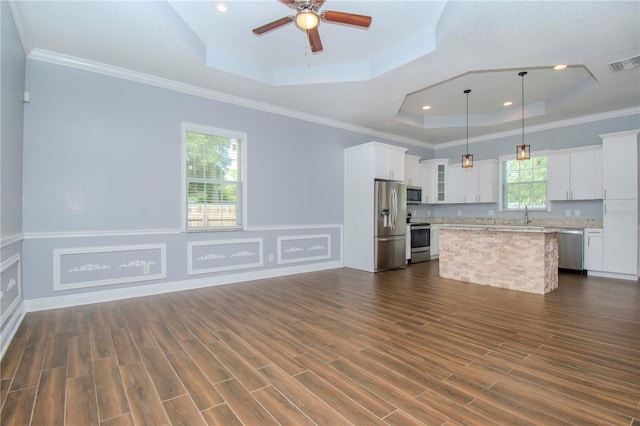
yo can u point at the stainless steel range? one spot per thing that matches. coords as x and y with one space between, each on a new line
420 242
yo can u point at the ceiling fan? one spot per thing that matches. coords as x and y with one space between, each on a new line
307 18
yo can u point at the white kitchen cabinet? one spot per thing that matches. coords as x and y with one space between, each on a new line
389 161
620 236
363 164
478 184
620 165
434 180
427 180
407 248
575 175
435 243
412 170
456 184
593 249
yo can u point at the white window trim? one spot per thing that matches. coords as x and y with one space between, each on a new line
200 128
501 161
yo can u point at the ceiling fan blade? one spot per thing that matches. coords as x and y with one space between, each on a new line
314 39
273 25
289 2
346 18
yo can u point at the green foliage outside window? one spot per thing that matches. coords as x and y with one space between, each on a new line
525 184
213 188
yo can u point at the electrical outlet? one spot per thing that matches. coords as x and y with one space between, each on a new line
567 212
146 268
270 257
491 212
459 212
576 212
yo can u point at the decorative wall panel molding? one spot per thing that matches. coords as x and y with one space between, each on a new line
224 255
304 248
7 241
10 287
100 266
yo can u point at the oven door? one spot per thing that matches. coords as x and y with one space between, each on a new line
420 243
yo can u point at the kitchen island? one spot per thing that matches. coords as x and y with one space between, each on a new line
521 258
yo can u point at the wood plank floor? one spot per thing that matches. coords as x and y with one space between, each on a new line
334 347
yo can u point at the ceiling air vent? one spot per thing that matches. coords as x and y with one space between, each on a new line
625 64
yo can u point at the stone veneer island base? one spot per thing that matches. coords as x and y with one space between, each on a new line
512 257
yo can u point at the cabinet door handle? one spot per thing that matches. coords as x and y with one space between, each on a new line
605 194
566 195
588 241
571 194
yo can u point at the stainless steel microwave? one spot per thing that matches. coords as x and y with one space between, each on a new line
414 195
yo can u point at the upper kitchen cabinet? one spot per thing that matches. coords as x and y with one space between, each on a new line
620 165
434 180
478 184
388 160
412 170
575 175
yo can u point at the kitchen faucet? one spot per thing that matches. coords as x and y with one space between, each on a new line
526 216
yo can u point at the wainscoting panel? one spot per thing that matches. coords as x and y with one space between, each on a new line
304 248
224 255
10 287
100 266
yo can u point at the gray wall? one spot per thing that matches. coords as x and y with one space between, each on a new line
12 66
102 155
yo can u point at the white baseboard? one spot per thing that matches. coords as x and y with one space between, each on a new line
11 327
169 287
628 277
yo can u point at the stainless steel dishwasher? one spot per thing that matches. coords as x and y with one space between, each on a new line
570 249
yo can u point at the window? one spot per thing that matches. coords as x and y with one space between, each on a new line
524 184
214 175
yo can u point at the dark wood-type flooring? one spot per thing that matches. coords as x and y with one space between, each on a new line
334 347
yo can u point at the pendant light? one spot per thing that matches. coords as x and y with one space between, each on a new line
523 152
467 159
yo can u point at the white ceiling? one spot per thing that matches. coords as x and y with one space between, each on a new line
414 53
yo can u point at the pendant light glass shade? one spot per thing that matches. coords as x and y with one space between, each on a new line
523 151
307 20
467 159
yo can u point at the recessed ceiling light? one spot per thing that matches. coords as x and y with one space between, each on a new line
559 67
426 107
508 103
221 7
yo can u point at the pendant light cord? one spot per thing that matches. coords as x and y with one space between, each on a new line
522 74
467 92
467 122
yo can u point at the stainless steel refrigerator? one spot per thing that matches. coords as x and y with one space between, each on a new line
390 224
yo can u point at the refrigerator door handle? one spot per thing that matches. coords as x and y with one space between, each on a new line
394 209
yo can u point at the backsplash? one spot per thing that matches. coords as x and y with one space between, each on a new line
569 222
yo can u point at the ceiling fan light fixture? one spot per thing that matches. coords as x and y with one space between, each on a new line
307 20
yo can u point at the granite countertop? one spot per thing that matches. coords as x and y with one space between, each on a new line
557 223
499 228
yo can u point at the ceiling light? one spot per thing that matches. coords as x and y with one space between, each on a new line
523 152
508 103
559 67
426 107
467 159
221 7
307 20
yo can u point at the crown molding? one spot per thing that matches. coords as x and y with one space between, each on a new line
22 26
546 126
100 68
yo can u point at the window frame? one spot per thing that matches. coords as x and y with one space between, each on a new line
501 161
215 131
